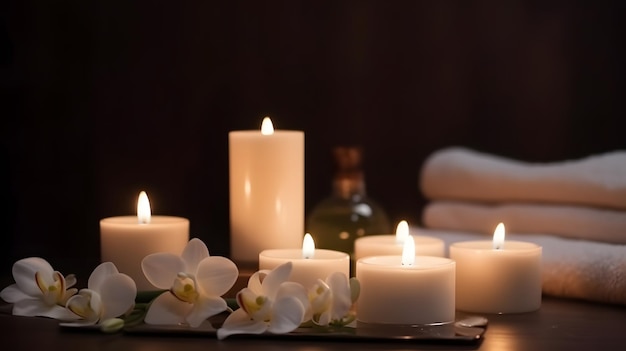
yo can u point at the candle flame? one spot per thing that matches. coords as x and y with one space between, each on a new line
402 232
498 237
408 251
308 246
143 208
267 128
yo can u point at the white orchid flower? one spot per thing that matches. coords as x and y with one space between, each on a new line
195 282
332 300
39 290
109 294
269 303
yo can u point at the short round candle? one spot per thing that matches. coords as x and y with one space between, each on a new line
420 293
383 245
497 276
307 267
126 240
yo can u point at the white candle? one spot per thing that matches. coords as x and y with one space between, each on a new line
266 190
406 289
309 263
497 276
126 240
381 245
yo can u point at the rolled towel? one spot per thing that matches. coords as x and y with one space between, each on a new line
590 223
578 269
464 174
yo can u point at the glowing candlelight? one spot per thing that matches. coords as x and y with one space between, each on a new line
267 128
498 237
308 246
144 213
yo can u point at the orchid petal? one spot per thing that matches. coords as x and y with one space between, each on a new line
24 272
100 274
37 307
320 297
69 293
295 290
95 303
324 319
52 287
30 307
87 305
184 288
288 315
166 309
342 300
78 304
162 268
258 307
205 307
70 280
118 293
216 275
60 313
255 280
277 276
244 299
12 294
194 252
239 322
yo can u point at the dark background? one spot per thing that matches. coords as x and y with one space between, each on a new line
100 100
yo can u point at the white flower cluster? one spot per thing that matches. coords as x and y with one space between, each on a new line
39 290
193 285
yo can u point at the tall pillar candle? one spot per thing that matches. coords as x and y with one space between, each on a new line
406 289
497 276
126 240
266 190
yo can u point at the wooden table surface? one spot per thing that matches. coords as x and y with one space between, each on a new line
559 325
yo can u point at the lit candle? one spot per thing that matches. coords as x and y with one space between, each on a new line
309 263
266 190
497 276
380 245
406 289
126 240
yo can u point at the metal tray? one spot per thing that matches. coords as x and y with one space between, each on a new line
466 329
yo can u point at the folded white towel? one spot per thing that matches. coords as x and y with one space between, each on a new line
464 174
570 268
596 224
